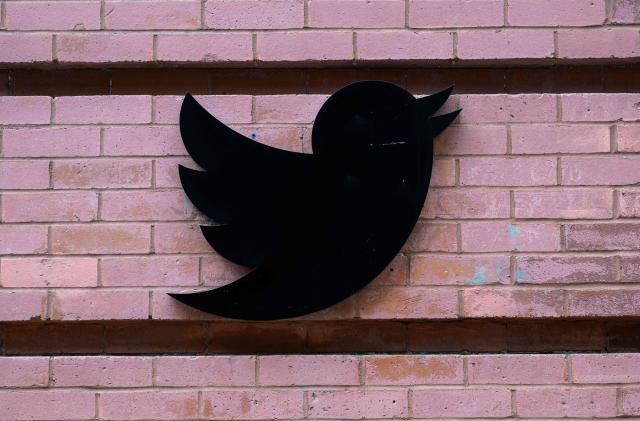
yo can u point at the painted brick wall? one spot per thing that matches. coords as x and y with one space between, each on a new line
532 211
316 32
321 387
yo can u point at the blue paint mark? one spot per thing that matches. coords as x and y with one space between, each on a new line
479 277
514 231
498 270
253 135
520 275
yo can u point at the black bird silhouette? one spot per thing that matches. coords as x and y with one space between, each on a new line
316 227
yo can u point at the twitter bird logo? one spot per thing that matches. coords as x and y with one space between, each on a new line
317 227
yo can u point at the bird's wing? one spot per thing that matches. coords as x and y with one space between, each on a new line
250 188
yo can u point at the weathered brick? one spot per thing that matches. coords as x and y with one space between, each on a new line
356 14
179 238
629 268
408 303
564 204
52 15
608 302
287 138
205 47
21 48
102 173
358 404
598 43
24 175
29 272
147 140
251 14
111 109
605 368
23 239
309 370
288 108
23 305
503 302
205 371
500 108
149 271
304 46
432 237
218 271
24 371
100 239
530 171
628 137
600 170
466 204
472 140
50 207
494 402
404 45
24 109
556 13
51 142
101 371
600 107
170 205
99 305
552 139
516 369
166 174
565 270
253 404
127 15
459 270
455 13
156 405
412 370
443 173
626 11
631 401
567 402
505 44
502 236
104 47
54 405
229 109
620 236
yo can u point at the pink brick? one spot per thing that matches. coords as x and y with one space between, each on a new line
23 239
552 139
356 14
600 107
166 174
605 368
459 270
229 109
474 403
100 239
564 204
149 271
620 236
565 270
147 140
39 272
556 13
500 108
147 206
165 307
99 305
179 238
404 45
538 171
47 405
631 401
156 405
22 306
503 302
102 173
24 175
50 207
218 271
205 47
52 15
516 369
502 236
25 48
466 204
600 170
253 404
308 370
104 48
455 13
24 371
129 15
408 303
525 44
629 202
629 268
24 109
288 108
626 11
602 303
205 371
101 371
566 402
432 237
250 14
287 138
108 109
413 370
304 46
51 142
598 43
443 173
472 140
358 404
628 138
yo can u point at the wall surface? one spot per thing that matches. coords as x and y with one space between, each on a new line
517 296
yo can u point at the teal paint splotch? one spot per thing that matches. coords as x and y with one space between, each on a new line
479 278
520 275
514 231
498 270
